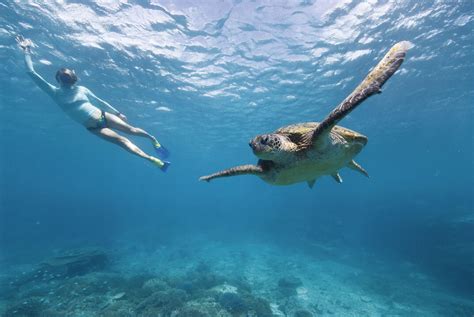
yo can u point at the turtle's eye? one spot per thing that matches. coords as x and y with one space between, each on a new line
264 140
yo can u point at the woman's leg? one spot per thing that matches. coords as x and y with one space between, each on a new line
115 122
113 137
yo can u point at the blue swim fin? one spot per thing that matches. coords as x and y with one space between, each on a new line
164 168
163 165
161 150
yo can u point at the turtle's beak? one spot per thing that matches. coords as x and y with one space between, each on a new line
255 146
259 144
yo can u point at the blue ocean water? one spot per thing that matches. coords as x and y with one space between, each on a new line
205 77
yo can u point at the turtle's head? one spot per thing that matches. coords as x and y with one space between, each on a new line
271 146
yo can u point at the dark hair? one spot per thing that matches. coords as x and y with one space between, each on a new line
66 76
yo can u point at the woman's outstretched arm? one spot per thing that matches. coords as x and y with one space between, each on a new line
102 104
25 44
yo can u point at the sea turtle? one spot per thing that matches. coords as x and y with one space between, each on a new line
303 152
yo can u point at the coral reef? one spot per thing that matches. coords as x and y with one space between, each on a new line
77 262
302 313
289 282
88 288
33 307
198 292
288 285
67 265
233 303
203 307
162 303
155 284
244 304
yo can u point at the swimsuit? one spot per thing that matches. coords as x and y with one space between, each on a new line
101 123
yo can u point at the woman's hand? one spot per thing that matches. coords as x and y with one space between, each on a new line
25 44
122 116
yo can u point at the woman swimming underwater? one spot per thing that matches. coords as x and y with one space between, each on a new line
99 118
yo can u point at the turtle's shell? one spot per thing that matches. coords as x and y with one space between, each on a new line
300 133
313 159
298 128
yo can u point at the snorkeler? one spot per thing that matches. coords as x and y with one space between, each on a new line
76 102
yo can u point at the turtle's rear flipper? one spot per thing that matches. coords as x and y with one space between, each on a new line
337 177
372 84
234 171
356 167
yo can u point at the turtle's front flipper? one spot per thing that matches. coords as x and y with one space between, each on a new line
234 171
371 85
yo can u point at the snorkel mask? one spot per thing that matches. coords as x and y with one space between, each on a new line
66 77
